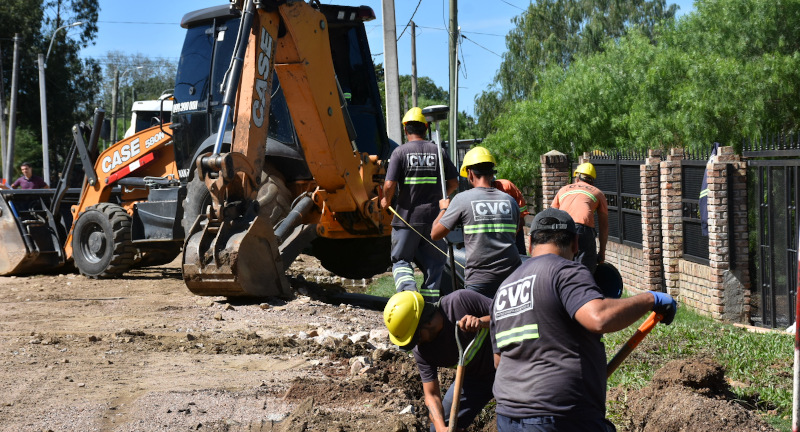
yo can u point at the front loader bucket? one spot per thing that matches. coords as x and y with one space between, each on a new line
28 241
234 258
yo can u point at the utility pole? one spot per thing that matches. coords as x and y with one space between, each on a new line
43 102
414 92
12 111
391 73
453 32
3 135
45 139
113 135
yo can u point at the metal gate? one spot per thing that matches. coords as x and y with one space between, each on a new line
619 178
773 177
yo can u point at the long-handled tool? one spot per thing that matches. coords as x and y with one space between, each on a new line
633 342
439 112
453 424
391 209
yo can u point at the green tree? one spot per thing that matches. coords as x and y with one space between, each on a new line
429 94
70 80
141 78
554 32
728 71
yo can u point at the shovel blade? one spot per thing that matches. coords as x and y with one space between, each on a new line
39 254
238 258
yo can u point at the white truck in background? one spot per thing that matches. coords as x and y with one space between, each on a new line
147 113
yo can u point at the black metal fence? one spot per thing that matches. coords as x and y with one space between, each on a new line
695 244
773 177
619 177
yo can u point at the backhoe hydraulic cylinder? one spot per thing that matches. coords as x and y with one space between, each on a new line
295 217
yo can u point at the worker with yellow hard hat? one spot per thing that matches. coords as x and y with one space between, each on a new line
413 175
582 200
490 218
428 330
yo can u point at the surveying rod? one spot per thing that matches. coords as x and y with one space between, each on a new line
436 113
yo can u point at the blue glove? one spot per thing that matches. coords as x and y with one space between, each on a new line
665 306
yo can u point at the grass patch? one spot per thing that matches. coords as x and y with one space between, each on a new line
384 286
759 364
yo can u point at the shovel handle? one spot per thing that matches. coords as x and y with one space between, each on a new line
633 342
453 424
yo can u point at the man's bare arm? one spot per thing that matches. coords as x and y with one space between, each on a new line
433 400
610 315
389 188
439 231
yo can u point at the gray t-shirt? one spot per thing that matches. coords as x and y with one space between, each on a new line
490 218
415 167
443 350
550 364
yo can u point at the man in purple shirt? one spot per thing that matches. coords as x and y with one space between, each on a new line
27 180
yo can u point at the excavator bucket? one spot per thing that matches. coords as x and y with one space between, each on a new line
234 258
29 241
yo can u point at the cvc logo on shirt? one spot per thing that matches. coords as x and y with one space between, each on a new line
421 161
491 210
514 298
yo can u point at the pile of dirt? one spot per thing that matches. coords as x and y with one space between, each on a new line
686 395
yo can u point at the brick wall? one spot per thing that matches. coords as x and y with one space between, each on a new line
720 289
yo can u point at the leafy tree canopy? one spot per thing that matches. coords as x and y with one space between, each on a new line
141 78
725 72
70 81
428 93
552 33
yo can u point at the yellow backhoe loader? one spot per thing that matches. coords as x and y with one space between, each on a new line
276 147
232 248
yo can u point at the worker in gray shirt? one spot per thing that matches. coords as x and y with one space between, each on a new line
489 217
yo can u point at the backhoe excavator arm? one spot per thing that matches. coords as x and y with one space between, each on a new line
232 250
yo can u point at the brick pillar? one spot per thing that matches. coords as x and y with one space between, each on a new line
555 174
741 234
672 219
651 221
728 295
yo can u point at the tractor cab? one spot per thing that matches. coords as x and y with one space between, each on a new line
205 58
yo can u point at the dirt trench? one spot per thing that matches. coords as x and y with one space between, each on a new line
141 353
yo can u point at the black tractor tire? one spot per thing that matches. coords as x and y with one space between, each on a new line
354 258
101 242
198 198
273 189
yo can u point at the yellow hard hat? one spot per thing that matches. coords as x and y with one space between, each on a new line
401 316
475 156
586 168
415 115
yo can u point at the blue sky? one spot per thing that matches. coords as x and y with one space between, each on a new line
152 27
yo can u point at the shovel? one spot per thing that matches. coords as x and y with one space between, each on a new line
451 427
633 342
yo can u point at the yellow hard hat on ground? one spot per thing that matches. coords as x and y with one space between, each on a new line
476 156
587 169
415 115
401 316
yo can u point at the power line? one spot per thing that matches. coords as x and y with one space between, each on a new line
512 5
487 49
409 20
138 22
470 32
